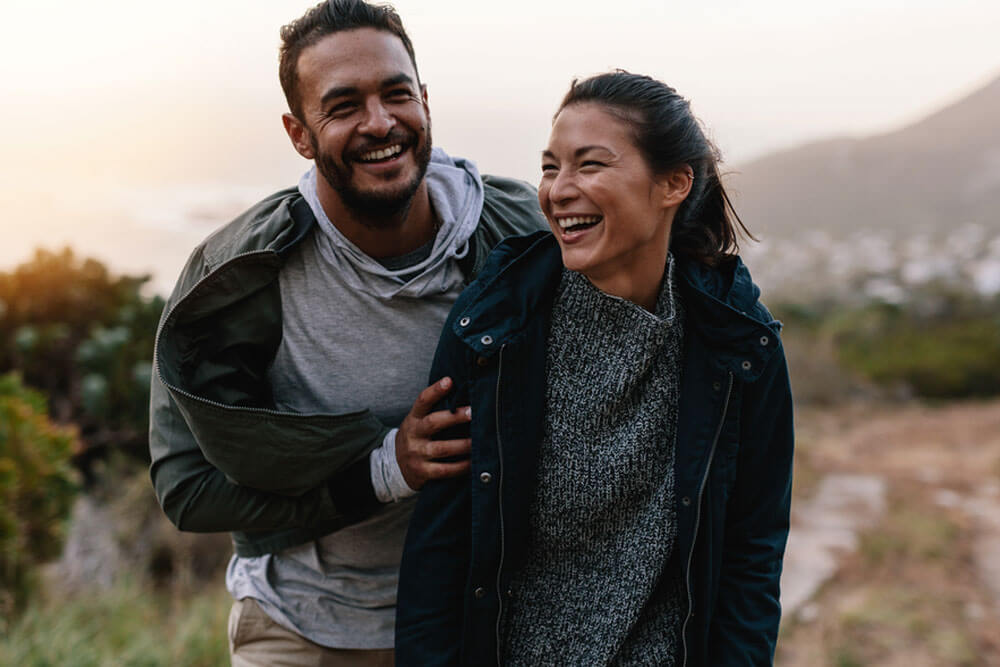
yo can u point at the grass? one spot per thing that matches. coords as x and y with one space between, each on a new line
912 593
910 533
894 618
902 598
127 625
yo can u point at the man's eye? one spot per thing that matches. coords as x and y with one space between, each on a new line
592 163
400 95
341 109
549 167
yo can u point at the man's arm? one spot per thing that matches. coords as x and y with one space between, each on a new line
745 620
196 496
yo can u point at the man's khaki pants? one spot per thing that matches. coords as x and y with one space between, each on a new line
257 641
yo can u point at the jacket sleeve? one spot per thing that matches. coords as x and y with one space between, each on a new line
744 625
435 565
198 497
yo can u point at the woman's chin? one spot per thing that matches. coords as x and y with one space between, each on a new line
573 261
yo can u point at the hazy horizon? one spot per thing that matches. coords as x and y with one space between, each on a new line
129 131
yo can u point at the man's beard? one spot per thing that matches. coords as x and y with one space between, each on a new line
373 208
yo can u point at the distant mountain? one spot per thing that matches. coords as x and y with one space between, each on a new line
940 172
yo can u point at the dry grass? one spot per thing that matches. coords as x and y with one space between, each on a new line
911 595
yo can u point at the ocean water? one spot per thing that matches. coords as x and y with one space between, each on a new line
134 231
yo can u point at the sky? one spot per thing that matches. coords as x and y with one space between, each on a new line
130 130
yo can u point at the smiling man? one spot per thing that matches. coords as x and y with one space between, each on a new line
298 336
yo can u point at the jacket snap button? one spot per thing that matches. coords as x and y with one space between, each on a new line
716 385
510 592
685 501
480 593
764 340
746 365
485 478
486 340
483 361
464 322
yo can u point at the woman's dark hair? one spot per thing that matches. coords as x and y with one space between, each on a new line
325 19
668 135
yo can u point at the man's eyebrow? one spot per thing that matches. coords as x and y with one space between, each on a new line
339 91
345 91
402 77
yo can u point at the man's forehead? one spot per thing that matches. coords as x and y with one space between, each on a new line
360 57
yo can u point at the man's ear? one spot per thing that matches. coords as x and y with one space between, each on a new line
299 134
676 185
423 97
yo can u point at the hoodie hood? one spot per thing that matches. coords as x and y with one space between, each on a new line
456 192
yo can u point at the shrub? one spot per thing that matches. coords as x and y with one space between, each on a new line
85 338
949 351
37 486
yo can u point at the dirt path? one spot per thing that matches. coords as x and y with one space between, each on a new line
894 554
984 509
824 528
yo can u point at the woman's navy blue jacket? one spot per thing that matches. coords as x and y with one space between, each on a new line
733 465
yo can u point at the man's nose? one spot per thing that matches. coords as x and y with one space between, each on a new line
378 121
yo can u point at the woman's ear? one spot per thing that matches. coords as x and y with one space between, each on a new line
676 185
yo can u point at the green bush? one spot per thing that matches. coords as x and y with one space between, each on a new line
950 350
85 338
37 486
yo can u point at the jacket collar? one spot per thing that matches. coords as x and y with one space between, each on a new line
519 281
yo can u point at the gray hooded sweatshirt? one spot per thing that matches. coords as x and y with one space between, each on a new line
359 333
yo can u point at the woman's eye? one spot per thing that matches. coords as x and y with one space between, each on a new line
549 167
592 163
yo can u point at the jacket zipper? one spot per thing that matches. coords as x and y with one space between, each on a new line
170 314
499 506
697 516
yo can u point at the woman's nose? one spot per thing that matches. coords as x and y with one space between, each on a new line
563 188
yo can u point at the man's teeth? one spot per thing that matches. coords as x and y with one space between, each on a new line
382 154
566 223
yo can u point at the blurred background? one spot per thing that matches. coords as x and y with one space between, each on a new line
862 141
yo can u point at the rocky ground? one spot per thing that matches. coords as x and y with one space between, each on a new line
894 555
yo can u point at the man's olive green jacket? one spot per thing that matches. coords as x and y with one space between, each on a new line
223 458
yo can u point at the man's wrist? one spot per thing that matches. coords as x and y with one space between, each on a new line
387 479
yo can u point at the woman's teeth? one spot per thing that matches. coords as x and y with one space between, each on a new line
576 221
382 154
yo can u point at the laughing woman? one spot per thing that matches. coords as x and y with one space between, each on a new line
632 419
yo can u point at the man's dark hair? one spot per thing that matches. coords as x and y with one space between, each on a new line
324 19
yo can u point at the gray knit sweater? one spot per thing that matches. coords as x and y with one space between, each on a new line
596 588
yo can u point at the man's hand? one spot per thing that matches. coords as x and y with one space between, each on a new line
416 453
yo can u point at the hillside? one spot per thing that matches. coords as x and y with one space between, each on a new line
941 171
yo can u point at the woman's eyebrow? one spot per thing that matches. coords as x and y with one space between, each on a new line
579 151
594 147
